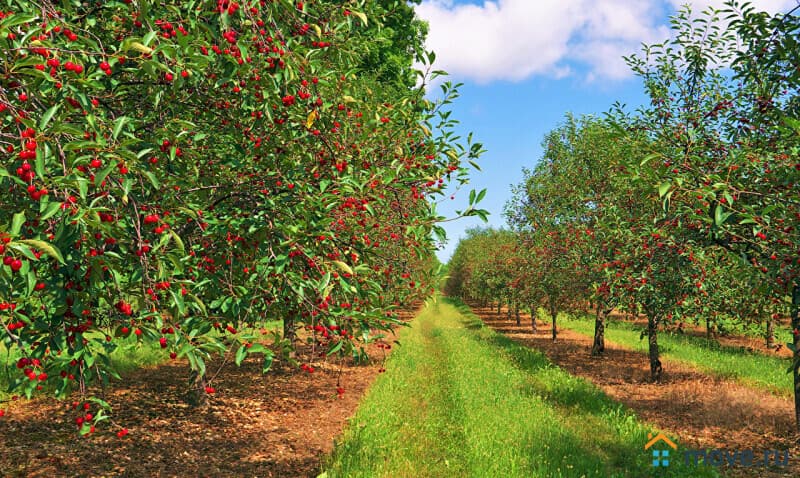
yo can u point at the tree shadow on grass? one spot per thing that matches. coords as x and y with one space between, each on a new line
724 413
597 435
704 342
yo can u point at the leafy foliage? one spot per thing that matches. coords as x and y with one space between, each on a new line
179 171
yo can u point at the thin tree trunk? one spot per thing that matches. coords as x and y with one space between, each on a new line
533 319
290 333
652 339
516 312
553 315
599 344
508 311
197 397
709 329
499 304
796 354
770 335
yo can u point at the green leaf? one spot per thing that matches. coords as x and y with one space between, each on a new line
344 267
337 347
31 281
48 115
16 223
17 19
83 187
663 188
103 404
50 210
153 179
45 247
268 357
39 162
119 123
323 283
241 354
103 174
178 301
649 158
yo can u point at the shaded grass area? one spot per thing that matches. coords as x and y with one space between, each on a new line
462 400
756 330
130 355
750 368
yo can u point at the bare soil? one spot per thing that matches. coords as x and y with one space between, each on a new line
702 411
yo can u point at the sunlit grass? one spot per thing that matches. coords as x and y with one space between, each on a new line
461 400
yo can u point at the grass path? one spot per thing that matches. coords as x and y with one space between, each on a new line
461 400
754 369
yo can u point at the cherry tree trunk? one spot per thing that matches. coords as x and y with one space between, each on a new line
599 343
770 335
197 397
652 340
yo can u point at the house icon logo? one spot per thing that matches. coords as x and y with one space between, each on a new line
660 453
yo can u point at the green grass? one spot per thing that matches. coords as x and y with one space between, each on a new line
749 368
461 400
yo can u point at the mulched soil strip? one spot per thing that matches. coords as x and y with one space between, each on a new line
703 411
281 424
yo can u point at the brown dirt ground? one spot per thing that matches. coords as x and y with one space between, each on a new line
281 424
702 411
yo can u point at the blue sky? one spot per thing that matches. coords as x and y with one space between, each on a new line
525 64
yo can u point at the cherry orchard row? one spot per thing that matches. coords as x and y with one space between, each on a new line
684 210
180 171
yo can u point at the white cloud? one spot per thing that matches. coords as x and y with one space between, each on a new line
516 39
511 40
772 6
